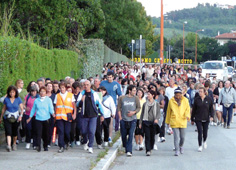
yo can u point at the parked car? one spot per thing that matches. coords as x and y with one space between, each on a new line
231 71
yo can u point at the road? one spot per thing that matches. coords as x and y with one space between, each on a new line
220 154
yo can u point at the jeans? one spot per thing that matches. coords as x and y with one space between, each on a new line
63 128
30 130
202 129
228 110
124 130
88 130
178 133
149 132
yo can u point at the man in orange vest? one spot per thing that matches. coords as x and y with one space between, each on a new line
65 112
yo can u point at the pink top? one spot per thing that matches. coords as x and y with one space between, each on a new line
30 104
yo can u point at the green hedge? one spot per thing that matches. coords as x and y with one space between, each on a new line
21 59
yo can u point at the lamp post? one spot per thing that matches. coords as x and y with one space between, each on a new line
196 46
185 22
162 35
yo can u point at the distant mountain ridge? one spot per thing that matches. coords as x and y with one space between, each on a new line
212 18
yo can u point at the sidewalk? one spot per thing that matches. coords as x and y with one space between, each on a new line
22 159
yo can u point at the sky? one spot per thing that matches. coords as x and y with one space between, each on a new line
153 6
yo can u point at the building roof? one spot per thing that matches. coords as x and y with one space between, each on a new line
227 36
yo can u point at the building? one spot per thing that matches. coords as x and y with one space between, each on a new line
226 37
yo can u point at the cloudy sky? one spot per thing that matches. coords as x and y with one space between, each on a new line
153 6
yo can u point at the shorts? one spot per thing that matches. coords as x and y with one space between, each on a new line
11 128
138 131
219 108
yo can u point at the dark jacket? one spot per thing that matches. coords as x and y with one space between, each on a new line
202 110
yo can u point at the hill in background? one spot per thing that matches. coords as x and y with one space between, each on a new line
212 19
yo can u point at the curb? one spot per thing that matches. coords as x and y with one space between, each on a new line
105 162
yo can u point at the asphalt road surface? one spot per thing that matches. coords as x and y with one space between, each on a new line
219 155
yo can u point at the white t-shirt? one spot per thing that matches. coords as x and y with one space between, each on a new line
149 72
63 97
170 92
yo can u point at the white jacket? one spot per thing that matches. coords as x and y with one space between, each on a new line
109 107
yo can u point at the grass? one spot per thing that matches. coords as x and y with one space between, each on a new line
103 153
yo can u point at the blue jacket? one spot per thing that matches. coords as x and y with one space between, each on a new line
95 102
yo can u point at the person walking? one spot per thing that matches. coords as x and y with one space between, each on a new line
43 108
178 113
11 116
228 98
202 113
128 107
91 105
149 120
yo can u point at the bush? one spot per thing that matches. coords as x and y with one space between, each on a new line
21 59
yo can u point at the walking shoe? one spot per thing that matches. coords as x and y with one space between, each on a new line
137 147
46 149
67 146
129 154
49 146
90 150
78 143
176 153
39 148
86 147
148 153
155 147
8 148
181 150
141 147
174 149
228 127
61 150
215 124
72 144
106 144
218 124
27 146
109 140
34 148
14 147
204 145
100 147
225 125
200 149
163 139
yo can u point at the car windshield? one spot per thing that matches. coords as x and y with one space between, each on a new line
213 66
230 69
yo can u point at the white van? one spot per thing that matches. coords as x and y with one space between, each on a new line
215 68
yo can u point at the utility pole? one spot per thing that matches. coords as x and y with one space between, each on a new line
140 50
162 34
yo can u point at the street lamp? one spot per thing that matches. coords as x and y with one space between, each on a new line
185 22
196 45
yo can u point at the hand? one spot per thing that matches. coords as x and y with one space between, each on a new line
192 123
155 121
120 118
74 116
83 98
188 119
19 118
53 115
131 113
140 126
211 119
28 120
101 119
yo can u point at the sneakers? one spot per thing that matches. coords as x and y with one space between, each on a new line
67 146
228 127
49 146
34 148
176 153
204 145
8 148
137 147
100 147
129 154
155 147
46 149
148 153
86 147
109 140
106 144
14 147
141 147
78 143
90 150
163 139
27 146
181 150
200 149
38 148
61 150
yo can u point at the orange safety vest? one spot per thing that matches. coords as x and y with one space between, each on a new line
64 107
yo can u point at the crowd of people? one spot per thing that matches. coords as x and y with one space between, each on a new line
143 101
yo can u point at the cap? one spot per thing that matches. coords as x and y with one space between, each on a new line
178 90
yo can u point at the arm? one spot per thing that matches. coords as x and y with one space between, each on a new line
21 112
194 110
211 110
162 104
168 114
220 97
119 107
141 116
32 112
75 110
112 107
187 111
51 110
118 90
158 113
